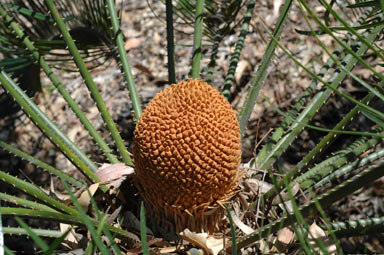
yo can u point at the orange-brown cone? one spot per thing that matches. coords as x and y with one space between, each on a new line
187 151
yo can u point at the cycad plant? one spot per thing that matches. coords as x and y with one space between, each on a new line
284 210
89 27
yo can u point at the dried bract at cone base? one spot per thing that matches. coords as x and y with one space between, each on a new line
170 220
187 153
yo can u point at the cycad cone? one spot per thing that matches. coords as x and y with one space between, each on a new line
187 153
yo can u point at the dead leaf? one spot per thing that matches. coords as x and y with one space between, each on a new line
157 38
167 250
263 246
212 245
259 185
71 235
85 199
112 217
132 43
284 238
284 196
287 206
109 172
60 196
246 230
242 66
276 8
315 232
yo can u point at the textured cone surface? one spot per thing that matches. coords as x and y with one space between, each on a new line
187 148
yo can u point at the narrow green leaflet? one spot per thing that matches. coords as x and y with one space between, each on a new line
239 46
25 203
90 84
37 240
70 150
324 200
40 232
41 164
35 191
124 61
32 13
56 82
196 57
257 82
